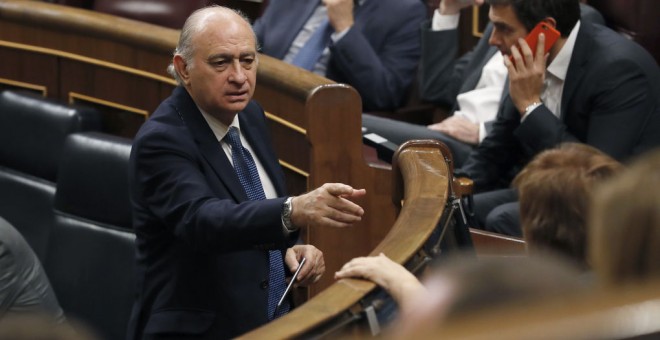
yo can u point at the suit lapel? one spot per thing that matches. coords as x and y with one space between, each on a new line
482 55
209 146
473 78
366 7
576 68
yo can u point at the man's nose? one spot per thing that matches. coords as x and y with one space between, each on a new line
237 73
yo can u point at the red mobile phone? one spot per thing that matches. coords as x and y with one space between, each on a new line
551 36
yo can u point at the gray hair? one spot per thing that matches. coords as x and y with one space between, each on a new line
190 29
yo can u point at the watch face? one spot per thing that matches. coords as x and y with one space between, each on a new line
286 214
287 208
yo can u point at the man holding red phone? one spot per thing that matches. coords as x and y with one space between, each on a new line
470 87
593 86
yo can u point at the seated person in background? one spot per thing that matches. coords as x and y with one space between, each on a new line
24 286
215 231
472 86
556 190
595 87
372 45
624 227
459 286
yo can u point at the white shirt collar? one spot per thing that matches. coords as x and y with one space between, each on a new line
219 128
559 65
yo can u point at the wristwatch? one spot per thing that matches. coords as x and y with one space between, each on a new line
287 210
531 107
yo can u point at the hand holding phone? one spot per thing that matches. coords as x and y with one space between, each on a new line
551 36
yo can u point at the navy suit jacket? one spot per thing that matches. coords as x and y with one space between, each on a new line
611 100
378 56
201 244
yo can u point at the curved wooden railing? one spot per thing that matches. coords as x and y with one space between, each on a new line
421 171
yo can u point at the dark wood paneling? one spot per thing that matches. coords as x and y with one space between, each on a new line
30 68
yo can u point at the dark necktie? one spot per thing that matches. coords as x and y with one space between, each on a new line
248 175
310 53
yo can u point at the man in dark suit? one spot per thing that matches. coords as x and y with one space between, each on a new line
374 45
594 87
214 228
472 86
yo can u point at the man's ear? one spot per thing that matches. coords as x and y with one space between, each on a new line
181 68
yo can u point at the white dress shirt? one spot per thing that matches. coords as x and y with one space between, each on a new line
555 75
481 104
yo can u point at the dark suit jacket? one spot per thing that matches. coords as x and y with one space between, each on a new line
202 263
611 100
442 76
378 56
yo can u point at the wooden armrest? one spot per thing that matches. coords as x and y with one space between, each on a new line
488 243
462 186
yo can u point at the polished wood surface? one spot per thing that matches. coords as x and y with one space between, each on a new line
79 56
421 171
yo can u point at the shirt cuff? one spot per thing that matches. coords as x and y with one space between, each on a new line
336 36
482 132
444 22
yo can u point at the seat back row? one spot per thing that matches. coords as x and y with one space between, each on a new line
65 188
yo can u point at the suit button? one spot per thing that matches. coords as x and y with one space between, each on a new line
264 284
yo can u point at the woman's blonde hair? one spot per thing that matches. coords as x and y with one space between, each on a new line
624 225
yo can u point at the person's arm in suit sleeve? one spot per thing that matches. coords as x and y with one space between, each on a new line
440 72
176 191
497 154
381 77
622 102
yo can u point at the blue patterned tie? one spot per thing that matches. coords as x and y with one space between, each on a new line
310 53
248 175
